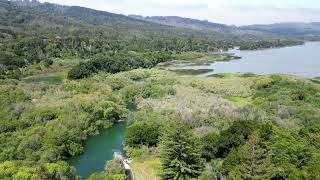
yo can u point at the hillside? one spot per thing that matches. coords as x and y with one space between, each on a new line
33 33
293 30
186 22
231 31
288 29
34 18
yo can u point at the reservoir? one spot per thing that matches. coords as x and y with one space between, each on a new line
301 61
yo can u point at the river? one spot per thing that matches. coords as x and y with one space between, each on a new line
301 61
99 149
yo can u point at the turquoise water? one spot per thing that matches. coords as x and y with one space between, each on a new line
99 149
301 61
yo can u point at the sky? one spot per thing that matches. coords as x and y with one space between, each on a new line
236 12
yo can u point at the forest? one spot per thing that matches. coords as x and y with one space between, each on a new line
67 73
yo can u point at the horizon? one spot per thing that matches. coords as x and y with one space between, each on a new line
232 12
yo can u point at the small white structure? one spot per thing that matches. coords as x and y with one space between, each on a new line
125 162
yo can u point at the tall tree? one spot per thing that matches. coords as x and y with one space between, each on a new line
181 154
254 162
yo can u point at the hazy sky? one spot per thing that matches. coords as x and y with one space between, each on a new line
238 12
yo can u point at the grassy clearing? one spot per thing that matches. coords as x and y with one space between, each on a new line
239 100
44 79
146 169
192 72
235 86
189 55
48 78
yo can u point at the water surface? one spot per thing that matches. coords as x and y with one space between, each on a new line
301 60
99 149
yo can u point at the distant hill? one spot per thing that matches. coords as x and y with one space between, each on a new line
288 29
293 30
31 19
41 18
23 19
31 32
186 23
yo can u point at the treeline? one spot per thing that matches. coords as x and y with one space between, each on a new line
268 44
118 62
23 52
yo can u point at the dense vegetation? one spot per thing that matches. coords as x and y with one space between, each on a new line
43 124
121 61
265 127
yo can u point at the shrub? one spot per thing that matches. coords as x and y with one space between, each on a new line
47 62
263 82
114 167
142 133
136 153
11 60
83 70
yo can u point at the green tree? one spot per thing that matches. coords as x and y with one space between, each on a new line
181 154
253 162
210 144
237 134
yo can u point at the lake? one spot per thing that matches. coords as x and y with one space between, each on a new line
99 149
301 61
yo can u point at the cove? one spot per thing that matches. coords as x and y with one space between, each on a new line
99 149
301 61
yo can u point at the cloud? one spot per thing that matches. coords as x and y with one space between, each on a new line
237 12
